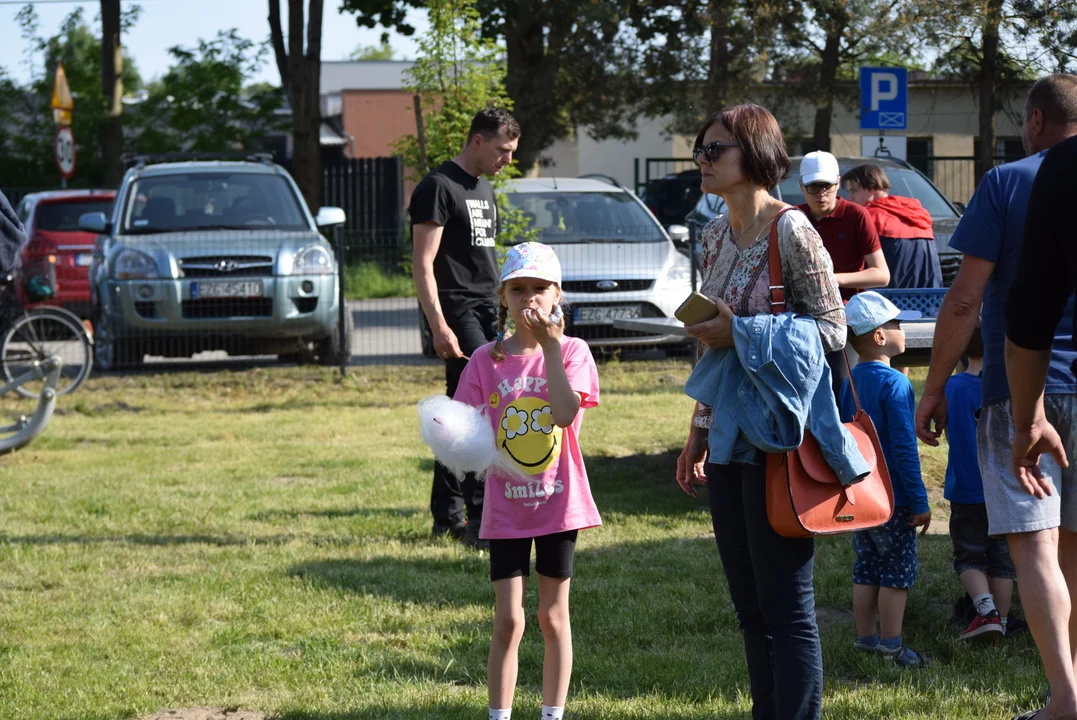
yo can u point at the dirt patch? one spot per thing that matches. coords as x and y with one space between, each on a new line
828 617
204 713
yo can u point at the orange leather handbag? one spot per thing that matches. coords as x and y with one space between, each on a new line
804 496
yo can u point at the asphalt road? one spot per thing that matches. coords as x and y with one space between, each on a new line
386 332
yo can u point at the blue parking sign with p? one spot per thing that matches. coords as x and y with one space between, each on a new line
884 98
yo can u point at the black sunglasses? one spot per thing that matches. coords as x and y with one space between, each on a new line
710 151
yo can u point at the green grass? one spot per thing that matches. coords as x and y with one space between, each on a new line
368 280
261 539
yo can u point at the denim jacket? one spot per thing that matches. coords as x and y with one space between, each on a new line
767 389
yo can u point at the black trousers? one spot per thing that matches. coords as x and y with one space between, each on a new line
475 323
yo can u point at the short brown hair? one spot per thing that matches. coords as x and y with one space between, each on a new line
491 121
764 157
868 177
1056 97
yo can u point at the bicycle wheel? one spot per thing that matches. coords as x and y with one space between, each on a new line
41 333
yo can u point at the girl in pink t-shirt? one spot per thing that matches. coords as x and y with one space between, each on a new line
533 386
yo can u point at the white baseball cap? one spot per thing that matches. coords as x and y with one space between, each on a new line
819 166
869 310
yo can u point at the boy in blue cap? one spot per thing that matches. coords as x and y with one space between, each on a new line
886 556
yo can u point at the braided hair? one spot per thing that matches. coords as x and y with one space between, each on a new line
497 352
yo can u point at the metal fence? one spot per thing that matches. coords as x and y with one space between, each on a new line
955 176
352 299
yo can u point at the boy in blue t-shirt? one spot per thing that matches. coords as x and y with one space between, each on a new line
982 562
886 556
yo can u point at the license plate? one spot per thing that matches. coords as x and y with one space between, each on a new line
226 289
605 315
84 259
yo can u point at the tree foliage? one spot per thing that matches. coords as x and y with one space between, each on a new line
202 102
992 44
374 52
457 73
567 63
27 129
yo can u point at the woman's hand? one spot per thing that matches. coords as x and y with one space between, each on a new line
717 332
540 325
690 463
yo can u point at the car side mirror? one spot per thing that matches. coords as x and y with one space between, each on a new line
678 234
329 216
961 207
94 222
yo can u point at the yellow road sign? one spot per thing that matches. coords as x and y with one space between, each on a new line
62 102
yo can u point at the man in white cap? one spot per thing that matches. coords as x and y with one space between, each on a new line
848 234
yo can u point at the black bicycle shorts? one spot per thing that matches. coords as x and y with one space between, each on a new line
553 556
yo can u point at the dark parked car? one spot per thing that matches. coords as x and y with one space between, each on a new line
905 180
672 197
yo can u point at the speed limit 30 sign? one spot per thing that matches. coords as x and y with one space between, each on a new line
64 149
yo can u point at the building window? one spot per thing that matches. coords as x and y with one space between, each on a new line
918 153
1010 148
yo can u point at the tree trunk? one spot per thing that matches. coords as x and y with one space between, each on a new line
530 80
276 37
985 145
720 68
304 93
828 73
112 88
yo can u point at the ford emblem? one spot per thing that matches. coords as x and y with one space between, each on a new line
606 284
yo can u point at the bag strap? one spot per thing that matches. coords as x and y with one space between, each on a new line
777 292
777 287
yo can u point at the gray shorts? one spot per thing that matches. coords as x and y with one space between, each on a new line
1010 509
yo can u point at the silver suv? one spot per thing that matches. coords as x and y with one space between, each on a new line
213 256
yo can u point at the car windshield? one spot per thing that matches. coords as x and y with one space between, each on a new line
576 217
64 216
906 183
246 201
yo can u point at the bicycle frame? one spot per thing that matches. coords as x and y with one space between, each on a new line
26 429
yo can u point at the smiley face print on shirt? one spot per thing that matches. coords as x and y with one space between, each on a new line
528 435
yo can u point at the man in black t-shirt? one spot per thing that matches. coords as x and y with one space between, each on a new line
454 222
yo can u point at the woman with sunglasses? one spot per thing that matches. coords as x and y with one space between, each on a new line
741 154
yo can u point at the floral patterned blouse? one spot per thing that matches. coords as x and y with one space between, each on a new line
742 277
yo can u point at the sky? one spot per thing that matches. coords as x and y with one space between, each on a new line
165 23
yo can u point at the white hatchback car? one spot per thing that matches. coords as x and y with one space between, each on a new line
617 260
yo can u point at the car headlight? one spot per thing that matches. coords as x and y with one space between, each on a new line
678 275
135 265
313 260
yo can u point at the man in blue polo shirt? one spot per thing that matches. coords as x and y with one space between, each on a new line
990 235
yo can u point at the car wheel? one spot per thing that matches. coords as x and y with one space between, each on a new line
109 352
329 349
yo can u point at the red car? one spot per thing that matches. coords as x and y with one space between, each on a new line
53 267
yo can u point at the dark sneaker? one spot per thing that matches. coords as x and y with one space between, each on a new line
472 539
1015 625
1031 714
456 531
907 657
984 626
963 612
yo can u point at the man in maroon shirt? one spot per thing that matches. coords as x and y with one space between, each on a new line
847 230
848 234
